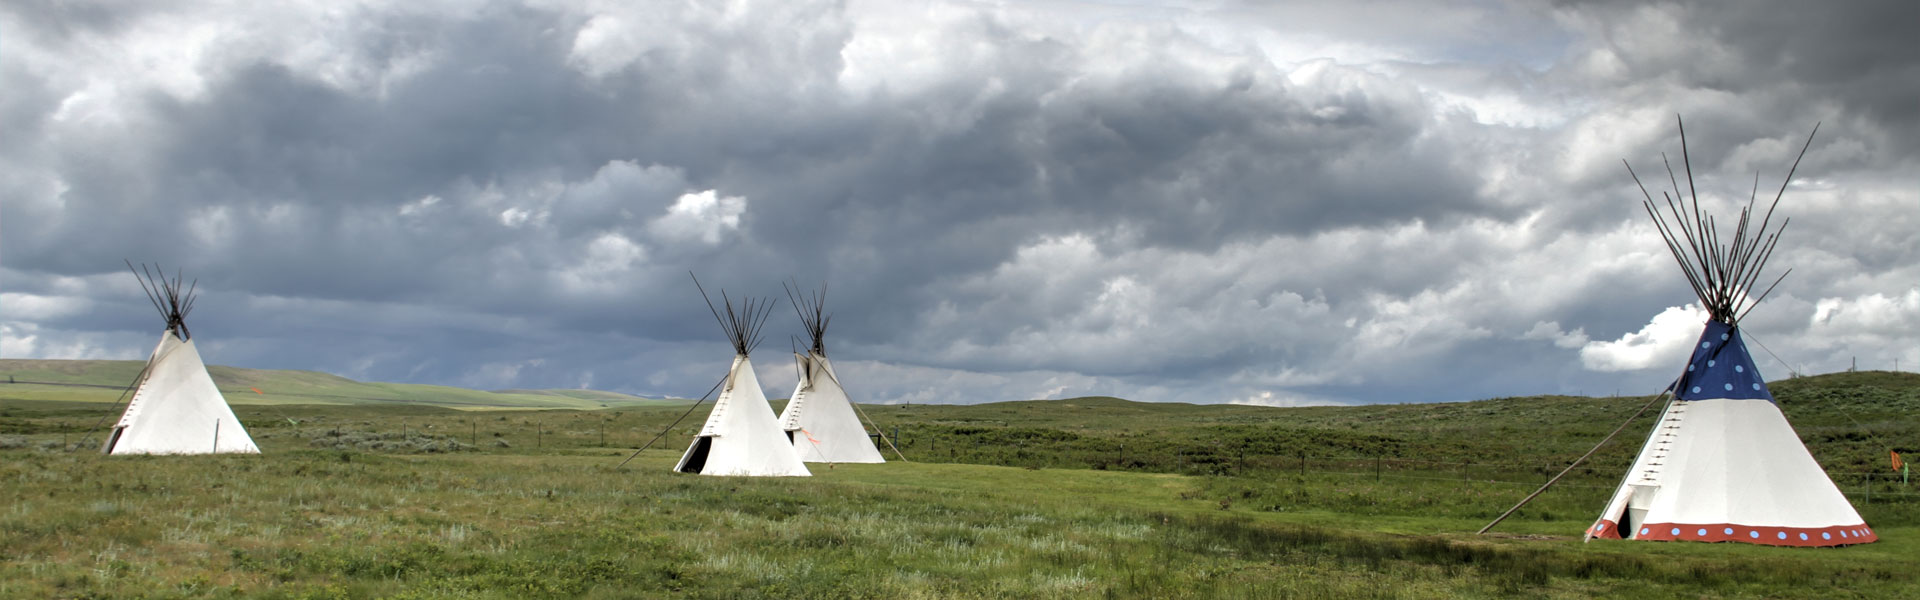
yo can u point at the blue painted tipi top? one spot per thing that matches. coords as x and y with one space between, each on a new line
1721 368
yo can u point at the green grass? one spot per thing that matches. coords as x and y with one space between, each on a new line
1026 499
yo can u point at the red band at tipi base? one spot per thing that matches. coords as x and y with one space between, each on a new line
1808 537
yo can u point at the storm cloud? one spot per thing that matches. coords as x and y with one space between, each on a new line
1369 202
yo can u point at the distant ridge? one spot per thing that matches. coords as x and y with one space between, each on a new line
103 380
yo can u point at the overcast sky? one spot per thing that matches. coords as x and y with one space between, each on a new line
1353 202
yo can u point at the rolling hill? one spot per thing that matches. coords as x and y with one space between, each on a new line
104 380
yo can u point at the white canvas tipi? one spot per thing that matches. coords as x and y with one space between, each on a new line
1722 463
175 407
741 436
819 418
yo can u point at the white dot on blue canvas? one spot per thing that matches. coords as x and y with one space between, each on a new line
1723 336
1756 387
1729 387
1706 344
1739 369
1710 363
1689 368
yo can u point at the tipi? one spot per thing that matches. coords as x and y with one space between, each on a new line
175 407
1722 463
741 436
819 418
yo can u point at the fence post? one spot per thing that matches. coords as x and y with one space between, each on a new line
1303 462
1376 469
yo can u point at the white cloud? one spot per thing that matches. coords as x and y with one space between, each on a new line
608 43
515 217
1871 315
1282 400
35 307
15 342
420 206
26 340
1165 201
1662 343
704 216
605 265
1550 331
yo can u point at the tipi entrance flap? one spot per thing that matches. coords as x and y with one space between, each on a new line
1638 499
695 458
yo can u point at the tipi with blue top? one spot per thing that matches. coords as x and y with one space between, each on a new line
1722 463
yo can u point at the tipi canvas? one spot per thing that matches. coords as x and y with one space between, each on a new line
175 407
819 418
741 436
1722 463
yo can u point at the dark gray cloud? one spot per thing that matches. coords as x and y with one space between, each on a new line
1230 204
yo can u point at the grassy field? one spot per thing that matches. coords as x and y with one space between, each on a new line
1092 497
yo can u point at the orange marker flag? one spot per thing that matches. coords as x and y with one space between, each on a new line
257 391
1897 463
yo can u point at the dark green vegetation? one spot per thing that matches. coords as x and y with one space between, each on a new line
1075 498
